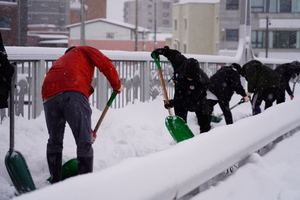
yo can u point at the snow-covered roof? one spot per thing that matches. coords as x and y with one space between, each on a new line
7 2
198 1
110 21
76 5
41 25
49 36
63 41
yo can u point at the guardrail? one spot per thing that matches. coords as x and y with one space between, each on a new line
175 172
137 71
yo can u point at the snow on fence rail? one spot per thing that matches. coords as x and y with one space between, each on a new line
137 71
175 172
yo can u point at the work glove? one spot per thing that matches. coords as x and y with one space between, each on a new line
245 99
292 97
3 55
170 104
94 136
120 89
157 52
295 79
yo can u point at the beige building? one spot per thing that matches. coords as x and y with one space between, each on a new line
213 27
196 27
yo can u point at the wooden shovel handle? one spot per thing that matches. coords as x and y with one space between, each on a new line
162 82
111 99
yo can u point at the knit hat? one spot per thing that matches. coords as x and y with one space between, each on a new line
191 68
237 67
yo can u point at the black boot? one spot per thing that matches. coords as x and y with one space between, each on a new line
85 165
55 163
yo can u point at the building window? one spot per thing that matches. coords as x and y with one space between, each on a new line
62 4
232 34
44 18
257 39
284 39
232 4
5 22
185 24
165 22
29 3
175 24
284 6
184 48
44 4
110 35
166 5
166 14
276 6
258 6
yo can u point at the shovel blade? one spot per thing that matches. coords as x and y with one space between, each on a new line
19 172
178 128
69 169
215 119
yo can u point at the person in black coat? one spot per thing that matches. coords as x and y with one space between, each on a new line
191 84
263 82
222 85
6 73
286 72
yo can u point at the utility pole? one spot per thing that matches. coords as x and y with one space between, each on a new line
136 25
267 35
155 45
22 22
82 25
267 27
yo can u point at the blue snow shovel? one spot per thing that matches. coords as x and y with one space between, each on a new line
217 119
177 127
14 160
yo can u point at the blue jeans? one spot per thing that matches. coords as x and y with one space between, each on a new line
71 107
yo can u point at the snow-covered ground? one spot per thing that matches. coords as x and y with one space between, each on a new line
138 130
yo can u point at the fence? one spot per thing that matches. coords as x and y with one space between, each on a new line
137 71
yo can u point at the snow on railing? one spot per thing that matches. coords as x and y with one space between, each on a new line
175 172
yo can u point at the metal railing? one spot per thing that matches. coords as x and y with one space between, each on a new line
137 71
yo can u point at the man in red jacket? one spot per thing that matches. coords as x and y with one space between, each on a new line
65 93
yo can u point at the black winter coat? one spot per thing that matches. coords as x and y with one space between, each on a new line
286 72
259 77
188 94
6 73
225 82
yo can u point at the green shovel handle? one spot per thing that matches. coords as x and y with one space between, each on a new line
156 61
112 97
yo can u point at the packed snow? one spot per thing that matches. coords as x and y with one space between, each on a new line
138 131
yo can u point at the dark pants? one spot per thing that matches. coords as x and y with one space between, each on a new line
281 95
268 95
201 111
224 105
72 107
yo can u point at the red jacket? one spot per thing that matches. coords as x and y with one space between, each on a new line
75 70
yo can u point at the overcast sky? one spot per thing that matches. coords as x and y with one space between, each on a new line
115 9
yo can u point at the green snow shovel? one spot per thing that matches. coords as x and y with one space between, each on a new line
70 168
177 127
14 160
217 119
